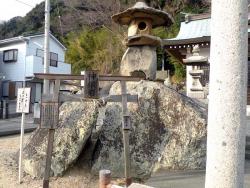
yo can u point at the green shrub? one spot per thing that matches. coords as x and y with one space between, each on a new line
98 49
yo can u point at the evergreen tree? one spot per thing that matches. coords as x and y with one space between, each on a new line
94 49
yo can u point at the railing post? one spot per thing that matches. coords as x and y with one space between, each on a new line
126 130
53 123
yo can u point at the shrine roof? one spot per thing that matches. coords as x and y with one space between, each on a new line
193 29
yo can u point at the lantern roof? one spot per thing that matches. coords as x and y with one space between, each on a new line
196 58
142 10
142 40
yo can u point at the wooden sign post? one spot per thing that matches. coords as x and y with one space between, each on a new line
126 129
50 109
23 106
49 120
91 85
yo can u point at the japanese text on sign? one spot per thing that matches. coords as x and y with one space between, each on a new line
23 100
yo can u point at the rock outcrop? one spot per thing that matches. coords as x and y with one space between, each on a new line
76 122
168 131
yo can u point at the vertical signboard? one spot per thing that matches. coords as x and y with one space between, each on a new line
91 84
22 106
23 100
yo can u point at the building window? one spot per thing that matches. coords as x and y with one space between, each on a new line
10 55
53 59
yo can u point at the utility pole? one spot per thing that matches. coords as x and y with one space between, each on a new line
51 132
227 95
46 45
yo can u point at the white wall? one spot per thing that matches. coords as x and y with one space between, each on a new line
28 63
14 71
17 71
34 64
37 42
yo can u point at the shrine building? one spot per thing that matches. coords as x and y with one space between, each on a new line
192 48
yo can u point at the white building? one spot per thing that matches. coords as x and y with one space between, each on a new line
21 57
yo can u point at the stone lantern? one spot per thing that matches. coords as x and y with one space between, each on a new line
196 61
140 57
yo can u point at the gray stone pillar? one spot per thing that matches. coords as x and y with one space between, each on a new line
228 89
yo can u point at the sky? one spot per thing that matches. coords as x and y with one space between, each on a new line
13 8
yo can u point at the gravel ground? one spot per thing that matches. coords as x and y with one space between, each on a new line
74 178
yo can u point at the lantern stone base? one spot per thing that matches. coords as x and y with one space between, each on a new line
139 58
197 94
161 75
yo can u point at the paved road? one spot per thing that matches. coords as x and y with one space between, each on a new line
13 125
188 179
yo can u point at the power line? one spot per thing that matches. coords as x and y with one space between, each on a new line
24 3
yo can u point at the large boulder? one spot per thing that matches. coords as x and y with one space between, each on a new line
76 122
168 131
